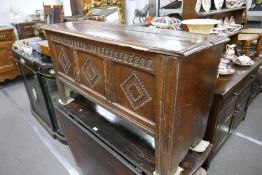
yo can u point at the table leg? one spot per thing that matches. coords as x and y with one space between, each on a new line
258 46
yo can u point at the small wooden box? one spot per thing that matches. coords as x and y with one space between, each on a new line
44 48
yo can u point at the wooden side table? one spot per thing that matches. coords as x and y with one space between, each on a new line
259 41
247 40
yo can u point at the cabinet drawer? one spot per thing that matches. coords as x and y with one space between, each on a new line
241 107
222 132
227 111
6 36
92 155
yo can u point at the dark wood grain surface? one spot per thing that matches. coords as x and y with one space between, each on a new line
233 95
140 38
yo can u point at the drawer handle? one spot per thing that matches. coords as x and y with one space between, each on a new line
51 71
2 37
252 76
22 60
238 108
235 94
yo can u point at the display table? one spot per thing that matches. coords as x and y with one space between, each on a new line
232 96
39 78
161 82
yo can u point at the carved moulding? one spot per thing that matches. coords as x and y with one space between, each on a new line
109 53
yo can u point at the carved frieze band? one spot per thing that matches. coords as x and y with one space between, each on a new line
109 53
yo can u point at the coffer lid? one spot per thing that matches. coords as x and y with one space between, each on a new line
176 43
3 28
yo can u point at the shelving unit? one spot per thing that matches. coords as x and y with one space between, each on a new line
190 13
164 12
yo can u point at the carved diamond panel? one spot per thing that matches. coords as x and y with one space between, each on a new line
91 73
135 91
64 60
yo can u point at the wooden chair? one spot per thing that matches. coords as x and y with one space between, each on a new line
47 12
257 31
247 40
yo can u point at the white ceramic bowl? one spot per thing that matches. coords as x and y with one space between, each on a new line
203 26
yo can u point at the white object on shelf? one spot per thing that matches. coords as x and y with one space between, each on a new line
164 12
203 26
201 147
206 4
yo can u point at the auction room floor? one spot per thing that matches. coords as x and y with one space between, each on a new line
27 149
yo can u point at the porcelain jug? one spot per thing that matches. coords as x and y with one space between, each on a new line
230 51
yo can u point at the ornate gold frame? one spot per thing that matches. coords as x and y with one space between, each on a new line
109 3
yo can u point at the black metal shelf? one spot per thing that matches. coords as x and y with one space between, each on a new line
215 12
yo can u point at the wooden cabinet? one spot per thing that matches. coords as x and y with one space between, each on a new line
139 75
232 97
38 74
26 29
8 68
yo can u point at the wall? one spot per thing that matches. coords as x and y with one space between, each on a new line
131 5
25 8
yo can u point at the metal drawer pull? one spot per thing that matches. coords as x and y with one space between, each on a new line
22 60
238 108
252 76
2 37
51 71
235 94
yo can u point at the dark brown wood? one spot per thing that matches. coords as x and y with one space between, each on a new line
232 97
8 68
104 143
139 74
26 29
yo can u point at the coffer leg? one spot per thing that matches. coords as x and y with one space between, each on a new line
64 93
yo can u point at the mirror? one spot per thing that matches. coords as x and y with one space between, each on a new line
107 8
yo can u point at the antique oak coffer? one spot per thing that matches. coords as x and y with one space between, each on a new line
159 81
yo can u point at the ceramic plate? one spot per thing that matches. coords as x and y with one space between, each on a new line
198 6
206 5
236 61
218 4
228 71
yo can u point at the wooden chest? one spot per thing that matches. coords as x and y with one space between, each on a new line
159 81
8 68
233 94
26 29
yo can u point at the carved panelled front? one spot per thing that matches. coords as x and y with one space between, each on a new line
90 72
135 90
95 68
65 61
